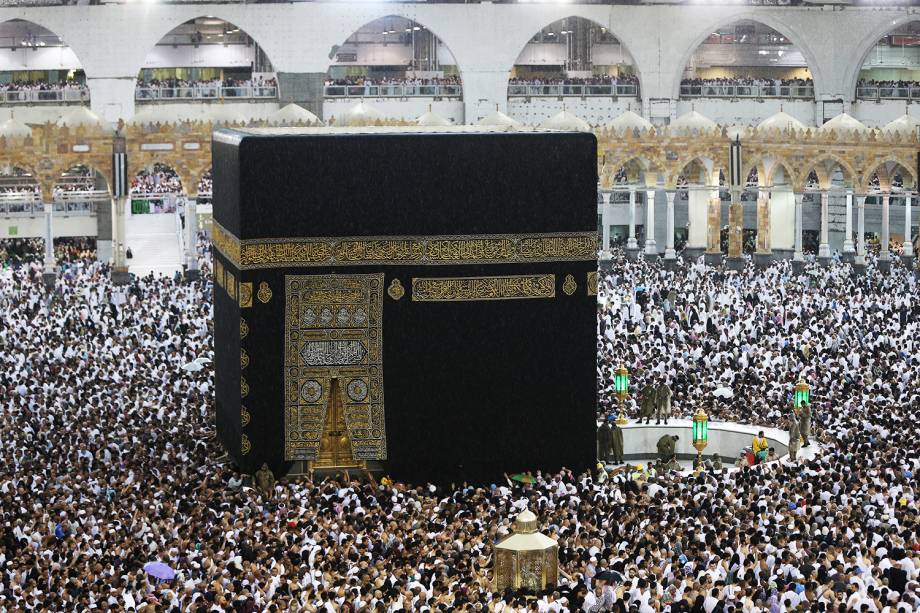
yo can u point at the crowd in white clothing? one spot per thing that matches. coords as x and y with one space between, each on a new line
109 462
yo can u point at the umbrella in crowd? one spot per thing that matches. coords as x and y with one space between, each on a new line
159 571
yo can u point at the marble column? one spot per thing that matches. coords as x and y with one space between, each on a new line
669 253
884 260
120 274
651 248
191 240
908 247
764 253
860 260
798 256
713 255
735 233
824 248
848 250
632 247
50 274
631 241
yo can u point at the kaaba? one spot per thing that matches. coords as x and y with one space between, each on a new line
421 300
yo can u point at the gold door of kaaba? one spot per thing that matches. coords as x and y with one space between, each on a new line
334 410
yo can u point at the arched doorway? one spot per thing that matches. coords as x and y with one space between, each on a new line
206 59
156 189
38 67
573 58
891 68
399 66
747 59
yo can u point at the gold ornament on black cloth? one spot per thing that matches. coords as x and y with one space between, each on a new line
396 290
569 286
265 293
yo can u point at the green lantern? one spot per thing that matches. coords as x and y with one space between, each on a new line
621 389
621 382
802 394
700 435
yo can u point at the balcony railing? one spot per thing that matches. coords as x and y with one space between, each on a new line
393 91
888 93
68 204
747 91
629 90
39 96
205 92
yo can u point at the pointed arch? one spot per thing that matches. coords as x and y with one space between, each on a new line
763 18
862 48
823 165
886 170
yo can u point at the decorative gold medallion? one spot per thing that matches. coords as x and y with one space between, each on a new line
396 290
244 358
244 328
245 445
265 293
592 283
231 285
245 295
244 388
244 416
569 286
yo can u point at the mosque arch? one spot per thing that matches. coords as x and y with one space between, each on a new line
812 64
30 48
201 45
886 171
864 47
597 26
393 30
831 171
789 176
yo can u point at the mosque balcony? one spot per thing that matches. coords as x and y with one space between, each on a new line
560 90
204 93
393 91
888 93
747 91
54 95
78 203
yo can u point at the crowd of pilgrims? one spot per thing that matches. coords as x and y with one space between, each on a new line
109 461
746 81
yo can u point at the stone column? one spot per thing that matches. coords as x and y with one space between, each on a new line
112 98
848 250
884 260
632 247
824 248
651 248
735 233
907 254
859 262
713 255
605 225
670 255
764 254
191 240
120 267
303 88
50 273
798 257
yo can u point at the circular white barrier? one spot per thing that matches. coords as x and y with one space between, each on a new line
728 439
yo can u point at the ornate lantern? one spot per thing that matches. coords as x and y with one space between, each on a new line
527 559
802 394
621 389
700 434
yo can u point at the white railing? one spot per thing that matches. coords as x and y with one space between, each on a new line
77 203
888 93
205 92
393 91
38 96
747 91
629 90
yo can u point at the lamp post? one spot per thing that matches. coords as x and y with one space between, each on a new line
621 389
802 395
700 434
